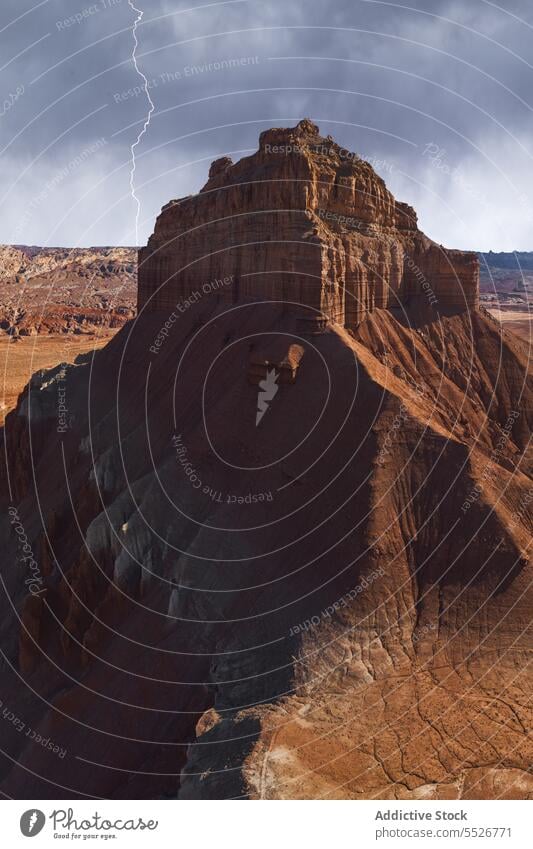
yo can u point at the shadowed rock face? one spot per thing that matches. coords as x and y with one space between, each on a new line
334 603
302 221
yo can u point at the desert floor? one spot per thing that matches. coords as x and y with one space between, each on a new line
519 321
19 360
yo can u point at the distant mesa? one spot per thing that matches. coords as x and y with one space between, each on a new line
308 223
50 291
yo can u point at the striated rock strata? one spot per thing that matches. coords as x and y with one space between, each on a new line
304 222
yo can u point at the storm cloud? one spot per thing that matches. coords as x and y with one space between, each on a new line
437 95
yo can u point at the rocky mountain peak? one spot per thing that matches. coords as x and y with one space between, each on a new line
306 222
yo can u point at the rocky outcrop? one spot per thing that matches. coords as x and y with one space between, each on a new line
49 291
305 223
334 603
24 263
266 562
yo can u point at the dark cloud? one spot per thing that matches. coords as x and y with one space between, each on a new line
438 94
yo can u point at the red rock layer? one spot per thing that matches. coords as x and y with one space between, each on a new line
304 222
362 631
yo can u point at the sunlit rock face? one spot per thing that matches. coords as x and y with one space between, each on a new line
303 222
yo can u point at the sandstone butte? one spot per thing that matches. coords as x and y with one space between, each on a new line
335 603
302 221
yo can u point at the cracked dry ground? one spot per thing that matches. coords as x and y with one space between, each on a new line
417 686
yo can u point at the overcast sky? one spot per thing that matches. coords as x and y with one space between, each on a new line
437 93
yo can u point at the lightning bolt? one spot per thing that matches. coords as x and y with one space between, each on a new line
139 18
33 820
269 389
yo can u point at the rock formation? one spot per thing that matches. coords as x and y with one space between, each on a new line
76 297
306 223
60 290
330 601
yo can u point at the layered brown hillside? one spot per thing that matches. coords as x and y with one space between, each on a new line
321 615
271 558
303 222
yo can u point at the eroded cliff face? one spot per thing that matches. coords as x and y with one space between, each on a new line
305 223
332 603
270 558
